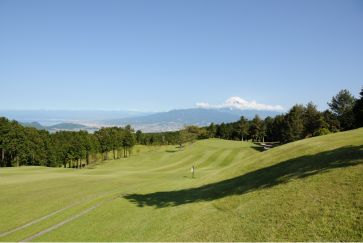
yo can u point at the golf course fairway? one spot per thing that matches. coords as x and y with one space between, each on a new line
309 190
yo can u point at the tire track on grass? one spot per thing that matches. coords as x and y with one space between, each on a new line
89 198
56 226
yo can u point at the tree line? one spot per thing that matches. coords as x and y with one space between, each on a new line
21 145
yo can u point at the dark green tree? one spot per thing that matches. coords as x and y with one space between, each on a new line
313 121
212 130
257 129
139 136
128 141
341 106
105 141
358 111
242 128
295 118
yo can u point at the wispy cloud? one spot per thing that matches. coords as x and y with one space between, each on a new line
239 103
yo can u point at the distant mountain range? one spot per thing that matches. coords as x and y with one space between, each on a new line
59 127
52 117
147 122
176 119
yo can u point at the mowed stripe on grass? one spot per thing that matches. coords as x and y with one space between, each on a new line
212 158
230 157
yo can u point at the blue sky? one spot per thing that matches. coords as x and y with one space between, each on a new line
160 55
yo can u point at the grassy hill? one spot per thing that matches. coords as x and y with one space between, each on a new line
307 190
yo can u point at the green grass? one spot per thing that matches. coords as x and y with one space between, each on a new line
310 190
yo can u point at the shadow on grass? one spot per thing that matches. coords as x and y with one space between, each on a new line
258 148
283 172
172 151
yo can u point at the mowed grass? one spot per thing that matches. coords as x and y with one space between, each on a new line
310 190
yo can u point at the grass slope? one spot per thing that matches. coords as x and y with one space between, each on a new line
310 190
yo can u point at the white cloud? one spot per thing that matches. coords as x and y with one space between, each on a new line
239 103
